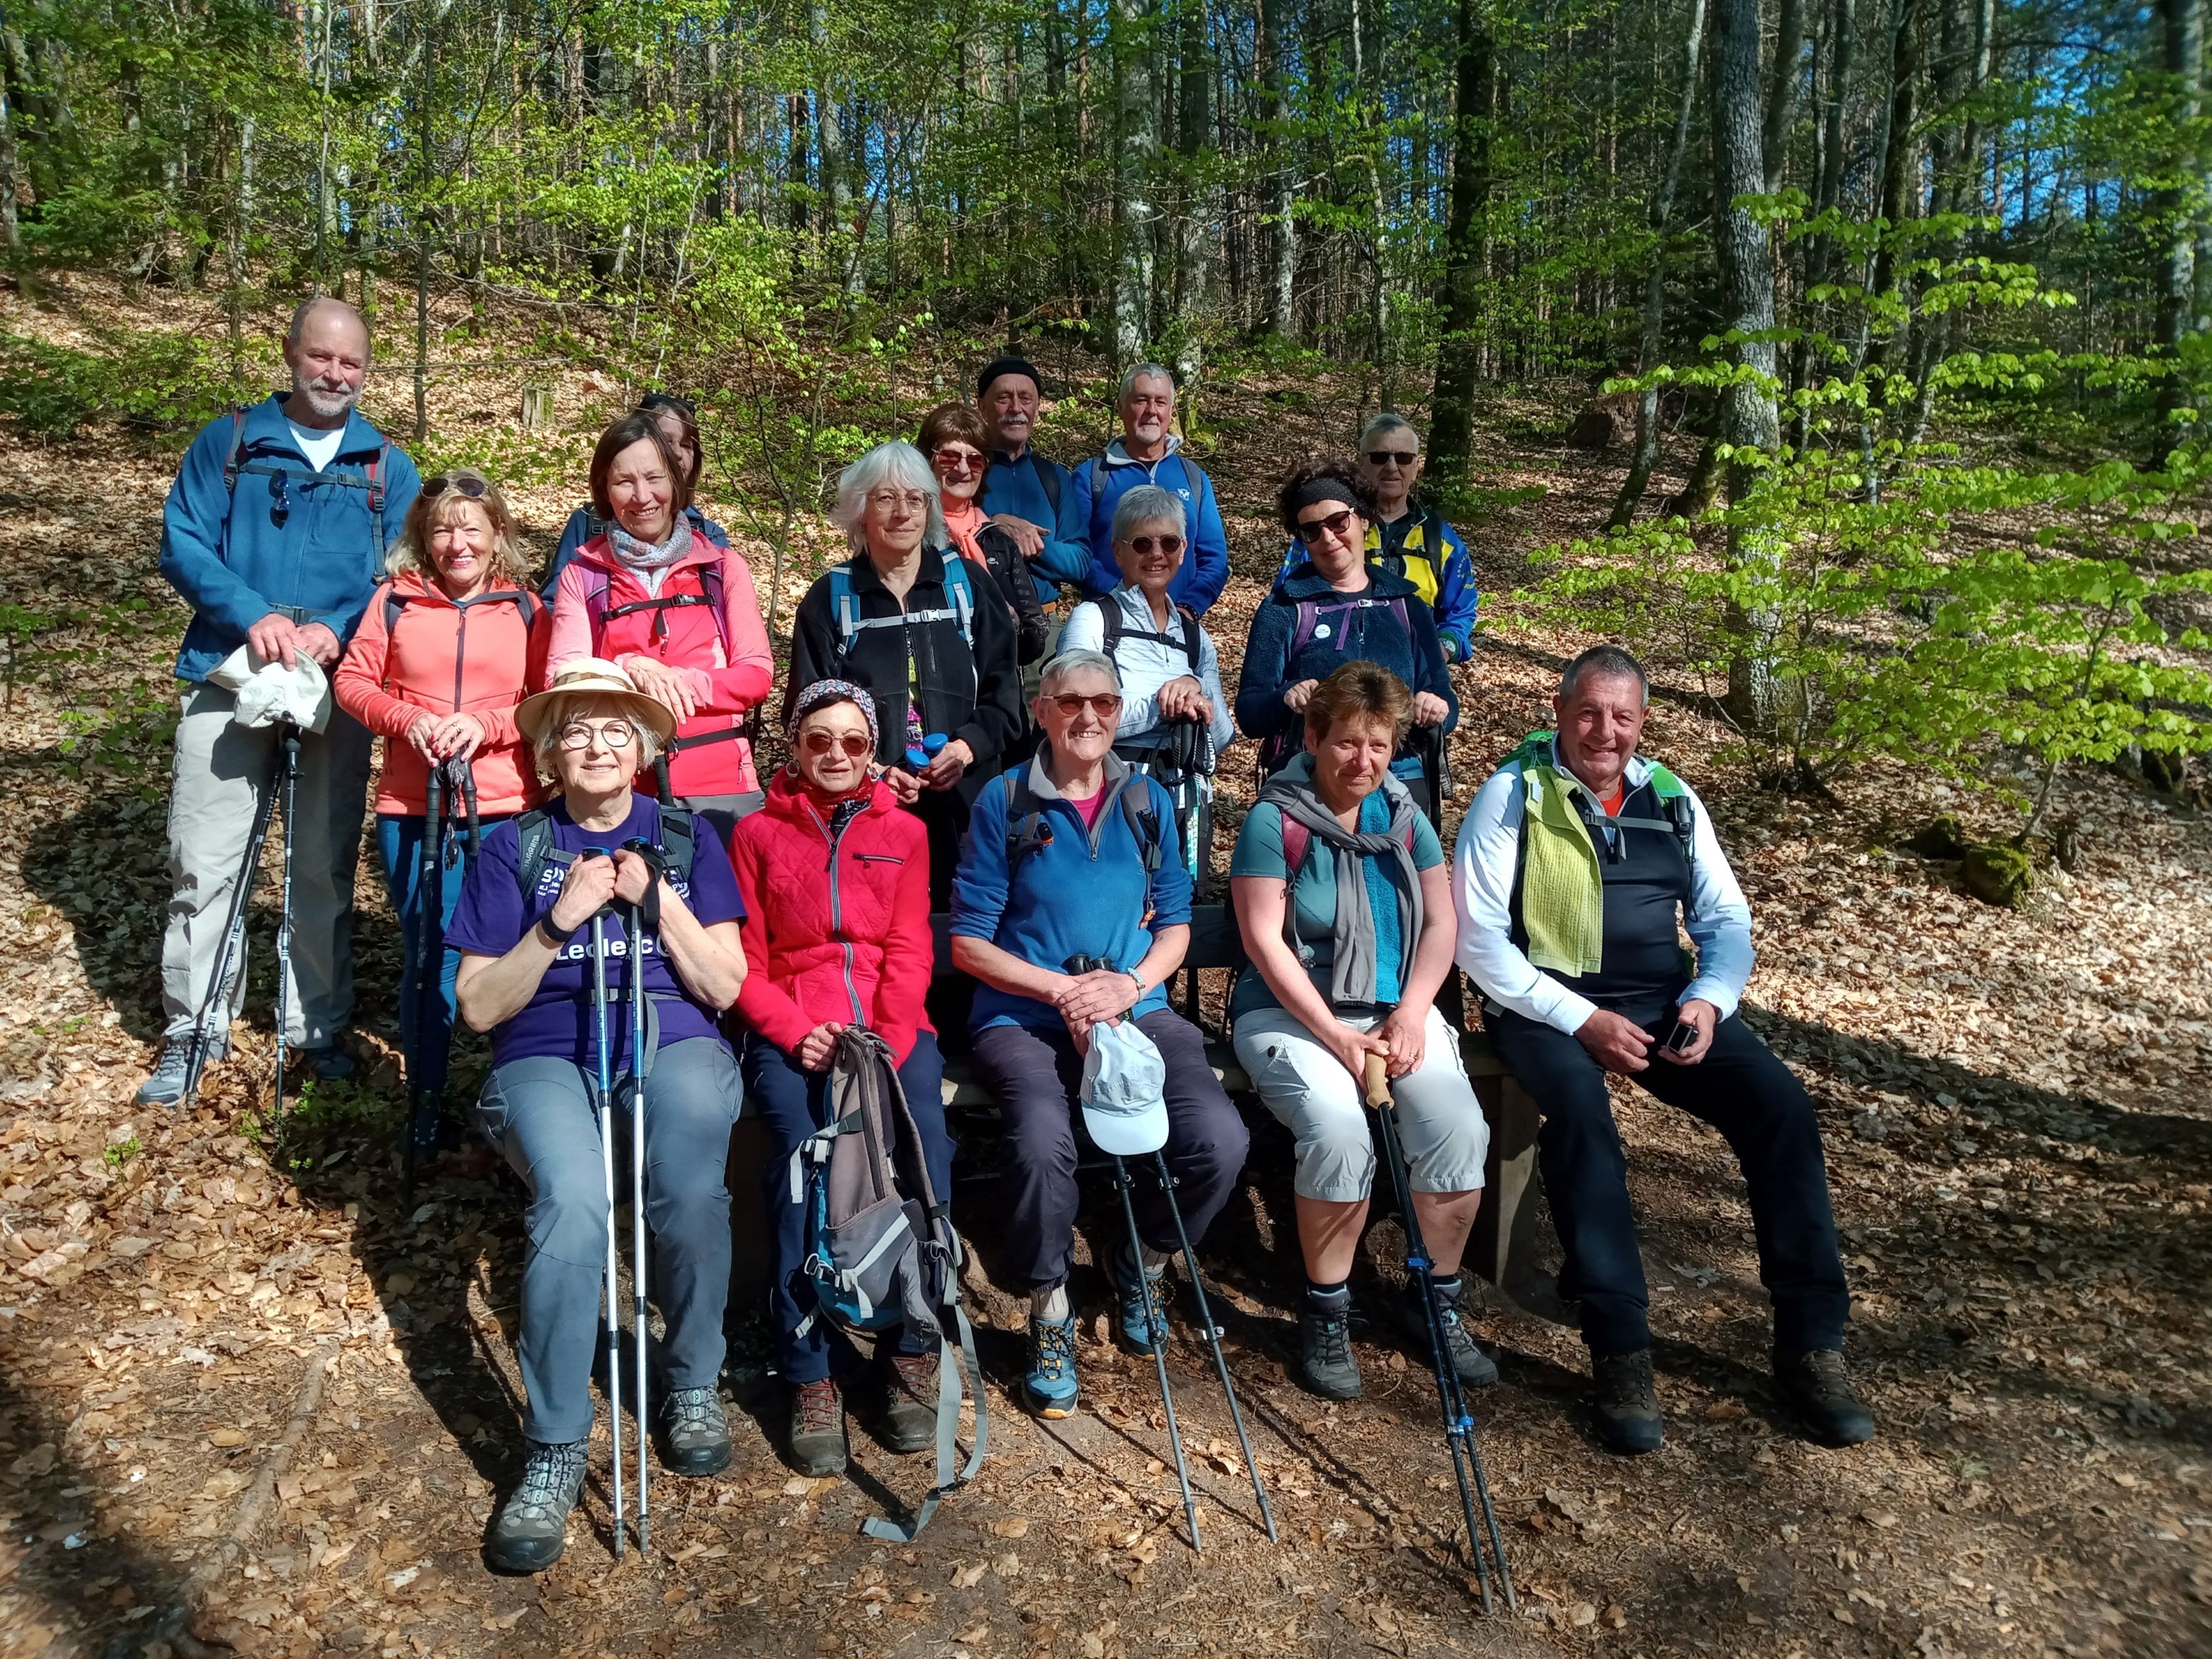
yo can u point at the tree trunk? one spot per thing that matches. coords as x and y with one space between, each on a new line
1747 416
1139 119
2182 30
1197 243
835 186
1782 91
1459 359
1646 453
1274 106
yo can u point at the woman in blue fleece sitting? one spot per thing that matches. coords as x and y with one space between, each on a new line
1071 861
1333 609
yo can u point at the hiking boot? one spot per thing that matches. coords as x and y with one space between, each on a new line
331 1065
1626 1408
1135 1324
694 1437
1049 1389
1815 1386
1327 1365
910 1422
532 1529
166 1086
1475 1367
818 1428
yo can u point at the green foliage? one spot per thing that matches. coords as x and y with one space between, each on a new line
153 382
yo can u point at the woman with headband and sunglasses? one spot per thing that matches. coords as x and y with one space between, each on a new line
836 883
448 647
1333 609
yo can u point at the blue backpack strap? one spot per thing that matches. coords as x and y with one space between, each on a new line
962 593
844 608
237 451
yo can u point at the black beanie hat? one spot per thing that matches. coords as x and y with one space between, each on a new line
999 366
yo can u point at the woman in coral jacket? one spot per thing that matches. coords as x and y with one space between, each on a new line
676 612
447 650
835 883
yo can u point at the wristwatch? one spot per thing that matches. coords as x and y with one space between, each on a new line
1143 989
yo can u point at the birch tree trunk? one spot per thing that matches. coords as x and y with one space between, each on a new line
2182 30
1283 249
1139 119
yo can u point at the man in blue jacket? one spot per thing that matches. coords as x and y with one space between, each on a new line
274 533
1147 452
1035 500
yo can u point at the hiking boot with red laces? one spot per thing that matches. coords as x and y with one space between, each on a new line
818 1428
910 1405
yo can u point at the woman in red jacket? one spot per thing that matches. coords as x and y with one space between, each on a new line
676 612
447 649
835 883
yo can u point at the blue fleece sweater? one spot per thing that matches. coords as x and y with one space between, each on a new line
290 538
1011 486
1204 570
1082 893
1347 627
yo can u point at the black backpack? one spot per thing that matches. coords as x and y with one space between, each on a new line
678 839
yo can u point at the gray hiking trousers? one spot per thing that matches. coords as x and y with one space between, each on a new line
538 1112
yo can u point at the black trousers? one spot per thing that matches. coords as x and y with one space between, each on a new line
1035 1076
1767 1119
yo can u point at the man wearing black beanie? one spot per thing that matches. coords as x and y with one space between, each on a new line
1045 508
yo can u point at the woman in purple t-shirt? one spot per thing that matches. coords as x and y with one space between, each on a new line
525 976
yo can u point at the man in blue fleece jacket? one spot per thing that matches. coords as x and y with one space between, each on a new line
1035 500
1147 452
274 533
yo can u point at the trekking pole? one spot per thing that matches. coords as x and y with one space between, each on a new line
637 1228
462 772
1213 1340
234 929
1156 1326
429 884
1451 1395
613 1333
290 740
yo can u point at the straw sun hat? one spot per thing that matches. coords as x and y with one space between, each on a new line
591 677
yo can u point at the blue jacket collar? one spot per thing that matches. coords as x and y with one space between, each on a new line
1304 582
266 427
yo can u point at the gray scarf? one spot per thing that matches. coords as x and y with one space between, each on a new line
650 561
1352 973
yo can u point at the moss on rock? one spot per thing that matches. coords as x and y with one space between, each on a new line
2000 873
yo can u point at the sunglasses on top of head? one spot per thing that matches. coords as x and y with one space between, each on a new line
462 483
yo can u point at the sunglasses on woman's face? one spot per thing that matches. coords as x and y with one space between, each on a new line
462 483
854 743
1142 546
1106 705
960 460
1382 457
1310 531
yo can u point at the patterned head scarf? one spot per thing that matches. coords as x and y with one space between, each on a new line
820 694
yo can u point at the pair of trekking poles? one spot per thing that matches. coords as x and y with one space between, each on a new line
608 1095
284 780
450 782
1156 1324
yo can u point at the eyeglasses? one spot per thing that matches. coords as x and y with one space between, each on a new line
1106 705
887 501
1392 457
1310 531
960 460
466 483
854 743
1142 546
608 734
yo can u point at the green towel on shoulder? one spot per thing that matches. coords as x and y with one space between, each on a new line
1562 892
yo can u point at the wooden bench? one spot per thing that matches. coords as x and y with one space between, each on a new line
1503 1248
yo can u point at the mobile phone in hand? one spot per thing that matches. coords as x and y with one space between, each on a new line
1682 1038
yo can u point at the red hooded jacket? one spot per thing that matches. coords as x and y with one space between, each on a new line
837 925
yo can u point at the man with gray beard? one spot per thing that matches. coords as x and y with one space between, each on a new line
274 533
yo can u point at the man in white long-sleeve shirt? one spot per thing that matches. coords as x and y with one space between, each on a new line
1578 866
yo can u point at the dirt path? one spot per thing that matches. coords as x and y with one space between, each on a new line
2019 1143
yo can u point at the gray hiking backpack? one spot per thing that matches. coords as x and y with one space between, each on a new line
880 1248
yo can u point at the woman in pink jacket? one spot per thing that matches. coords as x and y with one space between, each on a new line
676 612
448 647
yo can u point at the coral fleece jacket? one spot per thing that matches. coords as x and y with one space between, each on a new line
727 683
478 657
836 923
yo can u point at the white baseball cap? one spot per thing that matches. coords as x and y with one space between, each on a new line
1125 1092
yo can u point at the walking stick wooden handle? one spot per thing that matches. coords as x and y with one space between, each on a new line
1378 1083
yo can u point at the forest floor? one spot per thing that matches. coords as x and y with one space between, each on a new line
2019 1137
